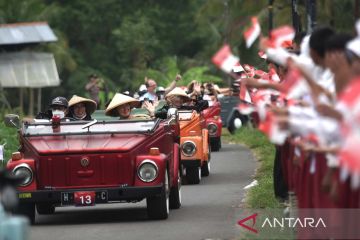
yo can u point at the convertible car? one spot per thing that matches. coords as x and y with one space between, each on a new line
214 124
80 163
194 145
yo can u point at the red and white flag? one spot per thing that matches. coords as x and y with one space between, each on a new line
271 129
280 35
349 158
252 33
244 93
294 84
262 55
225 60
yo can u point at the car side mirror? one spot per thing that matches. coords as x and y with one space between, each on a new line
172 115
12 120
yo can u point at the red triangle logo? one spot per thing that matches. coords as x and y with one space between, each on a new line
242 221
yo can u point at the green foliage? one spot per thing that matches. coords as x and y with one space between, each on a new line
124 41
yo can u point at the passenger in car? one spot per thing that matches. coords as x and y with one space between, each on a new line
177 98
59 106
121 106
81 108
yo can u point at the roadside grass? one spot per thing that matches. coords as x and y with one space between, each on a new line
262 195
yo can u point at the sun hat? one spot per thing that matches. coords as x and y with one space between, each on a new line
89 104
177 92
118 100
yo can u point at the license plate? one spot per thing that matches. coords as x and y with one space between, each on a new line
84 198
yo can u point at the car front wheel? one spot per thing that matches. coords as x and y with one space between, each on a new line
193 175
175 194
158 206
215 144
27 210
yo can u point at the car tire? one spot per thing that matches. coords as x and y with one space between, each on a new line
193 175
175 194
158 206
205 169
27 210
45 208
236 122
215 144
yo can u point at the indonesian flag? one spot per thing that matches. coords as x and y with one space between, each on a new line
253 32
280 35
262 54
225 60
273 76
271 129
294 85
244 93
349 158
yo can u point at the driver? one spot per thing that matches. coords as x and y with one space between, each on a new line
121 105
59 106
81 108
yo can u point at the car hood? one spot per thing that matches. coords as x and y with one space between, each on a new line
86 143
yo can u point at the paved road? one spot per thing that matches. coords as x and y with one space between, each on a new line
208 212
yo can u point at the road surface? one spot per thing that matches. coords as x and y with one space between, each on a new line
208 210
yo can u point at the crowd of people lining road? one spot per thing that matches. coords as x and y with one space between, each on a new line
310 110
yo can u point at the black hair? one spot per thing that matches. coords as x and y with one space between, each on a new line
337 42
318 39
299 36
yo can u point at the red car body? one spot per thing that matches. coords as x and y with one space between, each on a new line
214 124
114 161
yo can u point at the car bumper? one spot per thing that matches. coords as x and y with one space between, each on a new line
112 194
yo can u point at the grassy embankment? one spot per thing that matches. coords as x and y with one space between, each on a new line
262 195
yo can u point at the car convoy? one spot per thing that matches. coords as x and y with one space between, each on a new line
82 163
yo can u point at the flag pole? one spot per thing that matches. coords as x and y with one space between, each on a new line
270 7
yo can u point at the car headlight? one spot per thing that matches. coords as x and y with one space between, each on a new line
24 171
188 148
148 171
212 128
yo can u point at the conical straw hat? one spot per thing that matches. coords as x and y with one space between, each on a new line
177 92
89 104
120 99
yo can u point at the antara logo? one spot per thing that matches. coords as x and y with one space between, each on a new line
253 217
282 222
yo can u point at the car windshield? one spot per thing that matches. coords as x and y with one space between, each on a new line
185 115
82 128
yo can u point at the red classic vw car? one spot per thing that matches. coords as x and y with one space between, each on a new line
214 124
87 163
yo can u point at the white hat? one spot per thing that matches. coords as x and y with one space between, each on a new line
118 100
142 88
